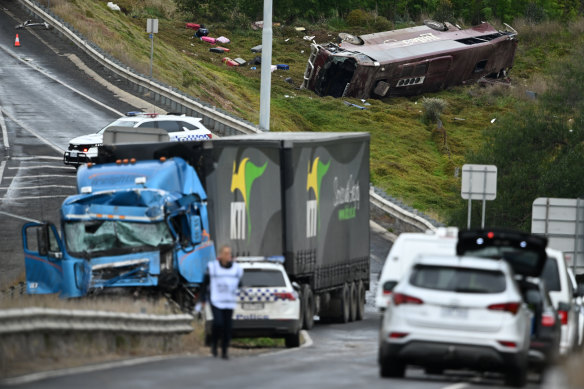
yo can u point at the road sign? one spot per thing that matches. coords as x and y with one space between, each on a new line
152 26
562 222
479 182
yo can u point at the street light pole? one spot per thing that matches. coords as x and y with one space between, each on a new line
266 78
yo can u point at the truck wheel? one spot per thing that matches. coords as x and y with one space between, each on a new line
345 304
354 301
292 340
361 301
307 307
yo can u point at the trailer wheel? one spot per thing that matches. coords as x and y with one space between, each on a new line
307 307
345 304
361 301
353 302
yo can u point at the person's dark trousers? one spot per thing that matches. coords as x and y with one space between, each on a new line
222 325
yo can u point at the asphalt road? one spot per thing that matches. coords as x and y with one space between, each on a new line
45 100
40 116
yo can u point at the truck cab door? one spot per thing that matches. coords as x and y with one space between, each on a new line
43 255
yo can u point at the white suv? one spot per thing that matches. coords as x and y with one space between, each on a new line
268 306
179 127
453 312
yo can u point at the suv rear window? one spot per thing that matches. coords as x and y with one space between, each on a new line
457 279
262 278
551 275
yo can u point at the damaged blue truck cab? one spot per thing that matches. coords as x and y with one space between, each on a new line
132 225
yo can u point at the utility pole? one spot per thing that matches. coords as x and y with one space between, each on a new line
266 78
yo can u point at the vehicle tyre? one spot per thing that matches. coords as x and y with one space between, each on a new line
391 368
307 307
361 301
517 376
292 340
344 304
353 302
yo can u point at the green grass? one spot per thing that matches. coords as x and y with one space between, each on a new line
409 159
258 343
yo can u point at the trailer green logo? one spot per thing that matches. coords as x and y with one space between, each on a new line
316 172
242 179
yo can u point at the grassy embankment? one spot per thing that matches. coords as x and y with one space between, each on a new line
410 159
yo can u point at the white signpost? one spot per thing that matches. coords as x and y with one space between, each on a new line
479 182
562 222
151 28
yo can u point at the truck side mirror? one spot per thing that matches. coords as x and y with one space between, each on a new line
42 240
196 229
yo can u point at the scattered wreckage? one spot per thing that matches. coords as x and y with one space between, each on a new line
409 61
30 23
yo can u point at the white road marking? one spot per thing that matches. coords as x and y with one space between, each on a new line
19 217
460 385
4 131
36 158
2 166
39 167
39 176
37 187
33 197
33 132
61 82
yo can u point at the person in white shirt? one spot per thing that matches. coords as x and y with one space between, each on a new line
220 285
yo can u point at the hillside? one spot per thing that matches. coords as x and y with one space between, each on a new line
411 160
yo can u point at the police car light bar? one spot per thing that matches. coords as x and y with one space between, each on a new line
273 259
143 114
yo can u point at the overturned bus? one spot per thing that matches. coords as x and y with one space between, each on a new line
409 61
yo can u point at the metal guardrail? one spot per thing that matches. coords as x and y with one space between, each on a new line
18 321
217 120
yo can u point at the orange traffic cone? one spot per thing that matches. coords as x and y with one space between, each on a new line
17 41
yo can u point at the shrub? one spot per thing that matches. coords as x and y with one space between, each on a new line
382 24
433 108
357 17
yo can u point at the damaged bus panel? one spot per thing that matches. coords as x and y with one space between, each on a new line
409 61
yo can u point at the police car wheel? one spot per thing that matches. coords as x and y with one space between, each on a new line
292 340
307 307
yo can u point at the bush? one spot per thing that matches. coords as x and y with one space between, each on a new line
382 24
433 108
357 18
337 24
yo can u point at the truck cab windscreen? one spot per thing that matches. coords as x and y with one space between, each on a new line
106 237
335 76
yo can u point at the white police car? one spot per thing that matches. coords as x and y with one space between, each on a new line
179 127
268 306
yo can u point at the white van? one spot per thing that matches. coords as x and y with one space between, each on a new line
562 292
406 248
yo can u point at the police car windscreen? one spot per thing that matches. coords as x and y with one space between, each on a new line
260 278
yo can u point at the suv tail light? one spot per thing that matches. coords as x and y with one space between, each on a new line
285 296
548 320
210 136
400 298
563 317
398 335
507 343
505 307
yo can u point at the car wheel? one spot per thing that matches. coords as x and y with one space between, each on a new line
517 376
361 301
307 307
353 302
292 340
391 368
